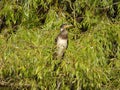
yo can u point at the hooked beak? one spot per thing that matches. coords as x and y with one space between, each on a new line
68 26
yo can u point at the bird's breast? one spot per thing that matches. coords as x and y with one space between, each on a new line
62 42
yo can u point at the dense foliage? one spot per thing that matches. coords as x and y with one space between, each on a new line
27 32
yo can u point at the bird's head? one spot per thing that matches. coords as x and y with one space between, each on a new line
64 27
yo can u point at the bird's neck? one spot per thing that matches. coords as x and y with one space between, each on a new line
64 34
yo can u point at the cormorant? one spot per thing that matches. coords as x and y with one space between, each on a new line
61 42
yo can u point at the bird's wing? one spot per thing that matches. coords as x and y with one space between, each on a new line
57 37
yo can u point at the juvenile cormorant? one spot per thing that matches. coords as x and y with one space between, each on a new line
61 42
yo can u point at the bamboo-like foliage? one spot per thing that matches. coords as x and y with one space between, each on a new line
92 60
34 12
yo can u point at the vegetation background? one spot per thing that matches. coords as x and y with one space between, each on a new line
27 32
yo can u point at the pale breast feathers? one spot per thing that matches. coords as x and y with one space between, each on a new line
62 42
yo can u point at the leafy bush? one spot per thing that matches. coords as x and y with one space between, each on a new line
91 60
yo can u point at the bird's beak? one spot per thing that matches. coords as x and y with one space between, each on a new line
68 26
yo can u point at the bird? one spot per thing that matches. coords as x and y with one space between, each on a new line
61 42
